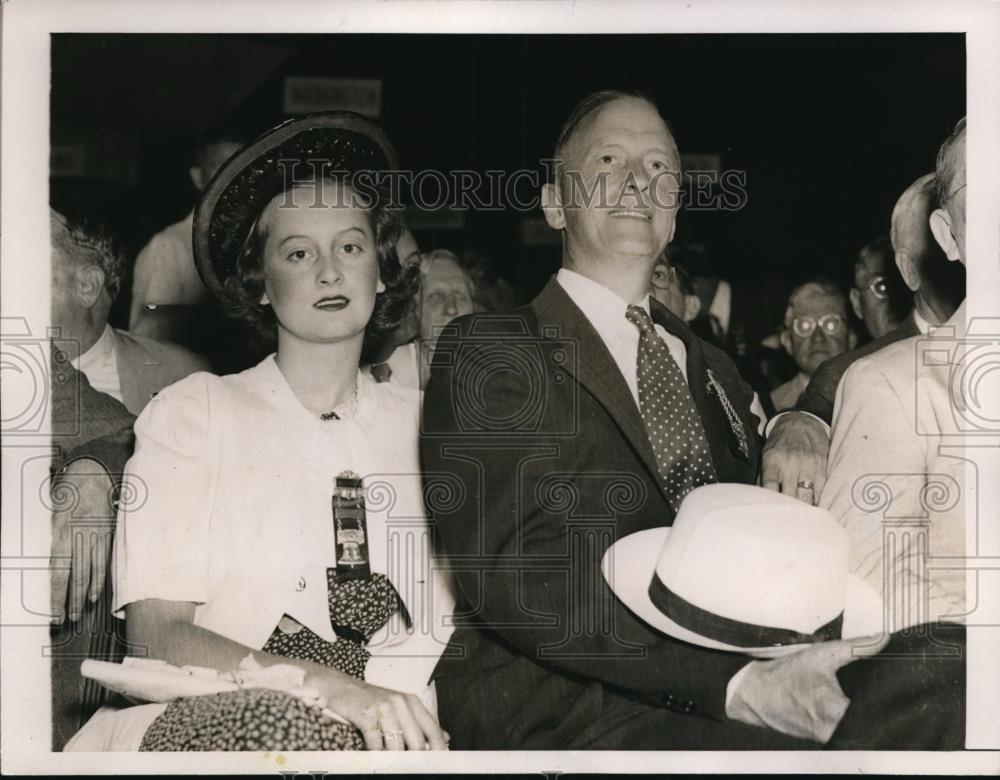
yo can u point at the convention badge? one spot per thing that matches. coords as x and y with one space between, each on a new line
350 528
735 424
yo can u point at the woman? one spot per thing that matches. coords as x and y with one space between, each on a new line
249 538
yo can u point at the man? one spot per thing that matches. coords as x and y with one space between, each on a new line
92 438
798 442
879 297
546 436
897 431
815 330
937 289
165 273
446 291
86 274
670 286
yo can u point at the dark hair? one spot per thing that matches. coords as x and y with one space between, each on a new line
899 299
244 288
947 165
589 106
226 130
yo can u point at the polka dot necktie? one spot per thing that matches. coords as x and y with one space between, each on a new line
669 414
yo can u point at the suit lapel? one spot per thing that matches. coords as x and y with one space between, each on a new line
595 369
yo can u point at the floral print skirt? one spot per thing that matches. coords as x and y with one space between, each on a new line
259 719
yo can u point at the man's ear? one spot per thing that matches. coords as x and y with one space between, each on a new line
941 228
197 177
908 270
552 207
786 341
855 296
89 284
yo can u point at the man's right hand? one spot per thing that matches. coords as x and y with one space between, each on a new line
798 694
82 527
795 454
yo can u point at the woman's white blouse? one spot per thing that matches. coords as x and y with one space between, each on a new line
227 504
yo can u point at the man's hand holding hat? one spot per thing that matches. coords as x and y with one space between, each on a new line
798 694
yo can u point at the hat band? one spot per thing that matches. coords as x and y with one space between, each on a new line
733 632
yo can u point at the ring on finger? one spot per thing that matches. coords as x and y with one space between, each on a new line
806 484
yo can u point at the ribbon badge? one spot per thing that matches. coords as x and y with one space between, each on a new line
735 424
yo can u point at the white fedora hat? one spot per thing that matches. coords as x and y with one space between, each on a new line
747 570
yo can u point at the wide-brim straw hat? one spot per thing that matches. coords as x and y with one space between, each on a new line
746 570
337 141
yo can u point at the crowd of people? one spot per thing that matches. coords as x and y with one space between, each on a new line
410 495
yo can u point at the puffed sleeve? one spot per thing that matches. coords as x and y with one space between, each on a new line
163 537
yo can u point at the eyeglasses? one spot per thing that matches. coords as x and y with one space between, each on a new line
831 324
879 287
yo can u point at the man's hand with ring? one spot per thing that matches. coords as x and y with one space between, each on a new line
795 454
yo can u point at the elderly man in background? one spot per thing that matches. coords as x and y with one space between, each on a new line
815 330
164 272
893 414
879 297
799 441
446 291
898 435
937 289
87 270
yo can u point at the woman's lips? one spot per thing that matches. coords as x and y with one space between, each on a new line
333 303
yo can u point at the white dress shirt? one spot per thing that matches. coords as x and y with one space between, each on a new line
100 364
232 479
606 312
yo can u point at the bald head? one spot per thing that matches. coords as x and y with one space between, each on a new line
912 239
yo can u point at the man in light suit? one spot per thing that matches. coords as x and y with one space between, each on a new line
547 436
897 467
798 441
86 275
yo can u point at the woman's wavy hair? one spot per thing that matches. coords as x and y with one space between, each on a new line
244 288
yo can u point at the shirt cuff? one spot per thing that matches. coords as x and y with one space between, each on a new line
773 420
734 683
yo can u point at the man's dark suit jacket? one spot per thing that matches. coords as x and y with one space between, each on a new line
85 424
821 391
536 460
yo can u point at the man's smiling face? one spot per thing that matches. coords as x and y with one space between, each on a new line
619 187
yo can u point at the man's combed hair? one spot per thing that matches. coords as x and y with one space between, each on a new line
589 106
947 164
243 290
88 243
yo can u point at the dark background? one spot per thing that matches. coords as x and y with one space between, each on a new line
830 128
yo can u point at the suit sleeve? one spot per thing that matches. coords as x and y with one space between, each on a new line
523 565
819 395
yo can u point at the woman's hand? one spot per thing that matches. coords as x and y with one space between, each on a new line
388 720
